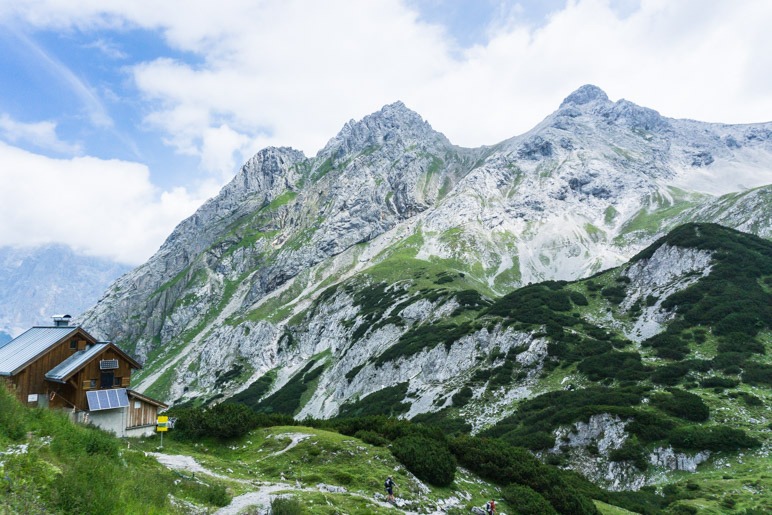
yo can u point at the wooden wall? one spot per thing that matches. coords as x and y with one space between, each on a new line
72 394
92 372
32 378
145 415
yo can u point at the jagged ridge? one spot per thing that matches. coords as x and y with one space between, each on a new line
584 190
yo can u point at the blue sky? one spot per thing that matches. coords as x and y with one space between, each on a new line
118 119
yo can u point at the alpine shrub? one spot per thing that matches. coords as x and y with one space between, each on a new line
758 374
670 374
503 464
372 438
286 506
614 294
682 404
427 458
527 500
717 438
719 382
738 342
229 420
614 365
461 397
578 299
222 421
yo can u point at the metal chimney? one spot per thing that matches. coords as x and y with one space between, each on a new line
61 320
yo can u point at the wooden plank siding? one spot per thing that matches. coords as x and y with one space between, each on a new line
144 415
31 379
92 373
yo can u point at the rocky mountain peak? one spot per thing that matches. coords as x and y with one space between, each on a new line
593 101
636 117
277 155
584 95
394 124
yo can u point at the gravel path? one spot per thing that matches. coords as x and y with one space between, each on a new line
296 439
182 462
260 497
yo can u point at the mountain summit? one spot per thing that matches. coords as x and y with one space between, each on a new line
394 124
584 95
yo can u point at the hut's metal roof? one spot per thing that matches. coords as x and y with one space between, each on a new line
17 353
66 368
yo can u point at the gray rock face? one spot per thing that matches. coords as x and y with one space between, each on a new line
584 95
668 458
668 270
603 434
244 286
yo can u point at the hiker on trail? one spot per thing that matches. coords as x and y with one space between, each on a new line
390 484
490 507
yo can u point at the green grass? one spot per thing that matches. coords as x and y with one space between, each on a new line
274 309
610 215
73 469
726 484
322 457
610 509
326 503
593 232
161 387
282 200
432 170
660 209
323 169
171 282
403 268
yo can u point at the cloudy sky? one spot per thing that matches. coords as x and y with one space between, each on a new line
119 117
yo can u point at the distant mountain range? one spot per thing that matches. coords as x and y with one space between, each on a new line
391 272
36 283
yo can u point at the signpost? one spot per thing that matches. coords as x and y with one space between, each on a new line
162 425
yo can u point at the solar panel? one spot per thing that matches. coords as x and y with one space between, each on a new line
108 364
107 399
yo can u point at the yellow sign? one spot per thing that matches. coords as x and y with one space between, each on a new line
161 423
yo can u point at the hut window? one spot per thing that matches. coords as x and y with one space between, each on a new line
73 344
93 383
137 404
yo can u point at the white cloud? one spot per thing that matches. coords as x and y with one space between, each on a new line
38 134
291 72
100 207
108 48
218 147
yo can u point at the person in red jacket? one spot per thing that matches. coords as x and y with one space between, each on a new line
490 507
